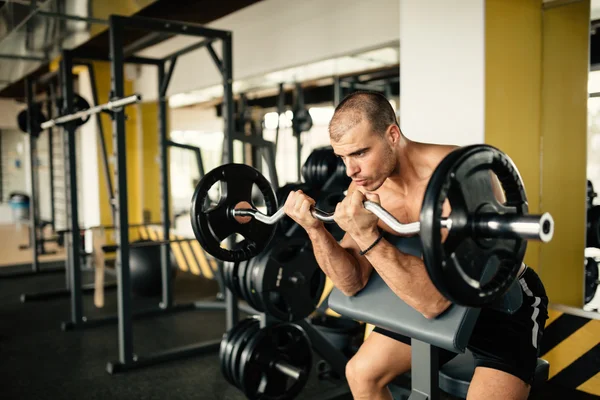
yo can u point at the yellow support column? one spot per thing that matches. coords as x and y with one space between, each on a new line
566 33
150 177
103 76
536 112
513 82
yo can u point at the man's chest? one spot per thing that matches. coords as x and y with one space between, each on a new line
405 208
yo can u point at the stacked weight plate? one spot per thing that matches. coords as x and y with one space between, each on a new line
284 281
268 363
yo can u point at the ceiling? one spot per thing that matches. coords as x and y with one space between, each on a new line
13 39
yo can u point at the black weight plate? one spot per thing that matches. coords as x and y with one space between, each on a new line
239 341
324 168
227 271
37 117
235 278
330 166
302 121
592 238
80 104
591 278
241 274
226 347
256 275
314 169
591 194
273 301
230 271
467 270
212 226
250 330
246 372
291 282
243 278
252 271
318 169
254 299
304 169
339 181
285 343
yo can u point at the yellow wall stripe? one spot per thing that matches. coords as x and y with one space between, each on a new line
201 257
328 288
143 232
189 255
179 257
573 347
156 234
213 263
552 316
152 234
591 386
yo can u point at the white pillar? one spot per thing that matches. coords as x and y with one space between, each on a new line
442 70
87 154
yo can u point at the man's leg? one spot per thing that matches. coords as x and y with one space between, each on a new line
492 384
506 346
379 360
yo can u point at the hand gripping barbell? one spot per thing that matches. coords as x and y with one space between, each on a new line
483 234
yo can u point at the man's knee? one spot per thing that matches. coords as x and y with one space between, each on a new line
358 370
362 371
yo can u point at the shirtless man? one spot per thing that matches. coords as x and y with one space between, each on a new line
389 169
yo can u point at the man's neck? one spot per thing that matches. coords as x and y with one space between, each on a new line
404 175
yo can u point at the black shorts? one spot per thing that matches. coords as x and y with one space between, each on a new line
505 342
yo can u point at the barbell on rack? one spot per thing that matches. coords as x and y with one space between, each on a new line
113 105
82 112
483 234
38 116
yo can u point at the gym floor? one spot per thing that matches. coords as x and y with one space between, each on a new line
38 360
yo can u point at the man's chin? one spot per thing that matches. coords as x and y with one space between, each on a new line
374 185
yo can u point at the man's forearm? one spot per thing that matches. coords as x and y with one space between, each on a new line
406 275
339 265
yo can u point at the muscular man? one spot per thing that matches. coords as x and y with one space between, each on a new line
388 168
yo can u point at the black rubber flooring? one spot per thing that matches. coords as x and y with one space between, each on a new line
40 361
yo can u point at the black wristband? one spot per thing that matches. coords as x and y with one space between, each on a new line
362 253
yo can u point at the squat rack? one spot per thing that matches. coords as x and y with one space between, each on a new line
118 24
127 359
49 124
36 241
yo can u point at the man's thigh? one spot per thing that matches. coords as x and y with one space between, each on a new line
444 355
510 343
492 384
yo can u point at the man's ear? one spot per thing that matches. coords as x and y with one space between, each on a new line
393 133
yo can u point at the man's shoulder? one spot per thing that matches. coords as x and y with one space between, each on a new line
433 154
440 151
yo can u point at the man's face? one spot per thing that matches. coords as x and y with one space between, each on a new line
368 156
